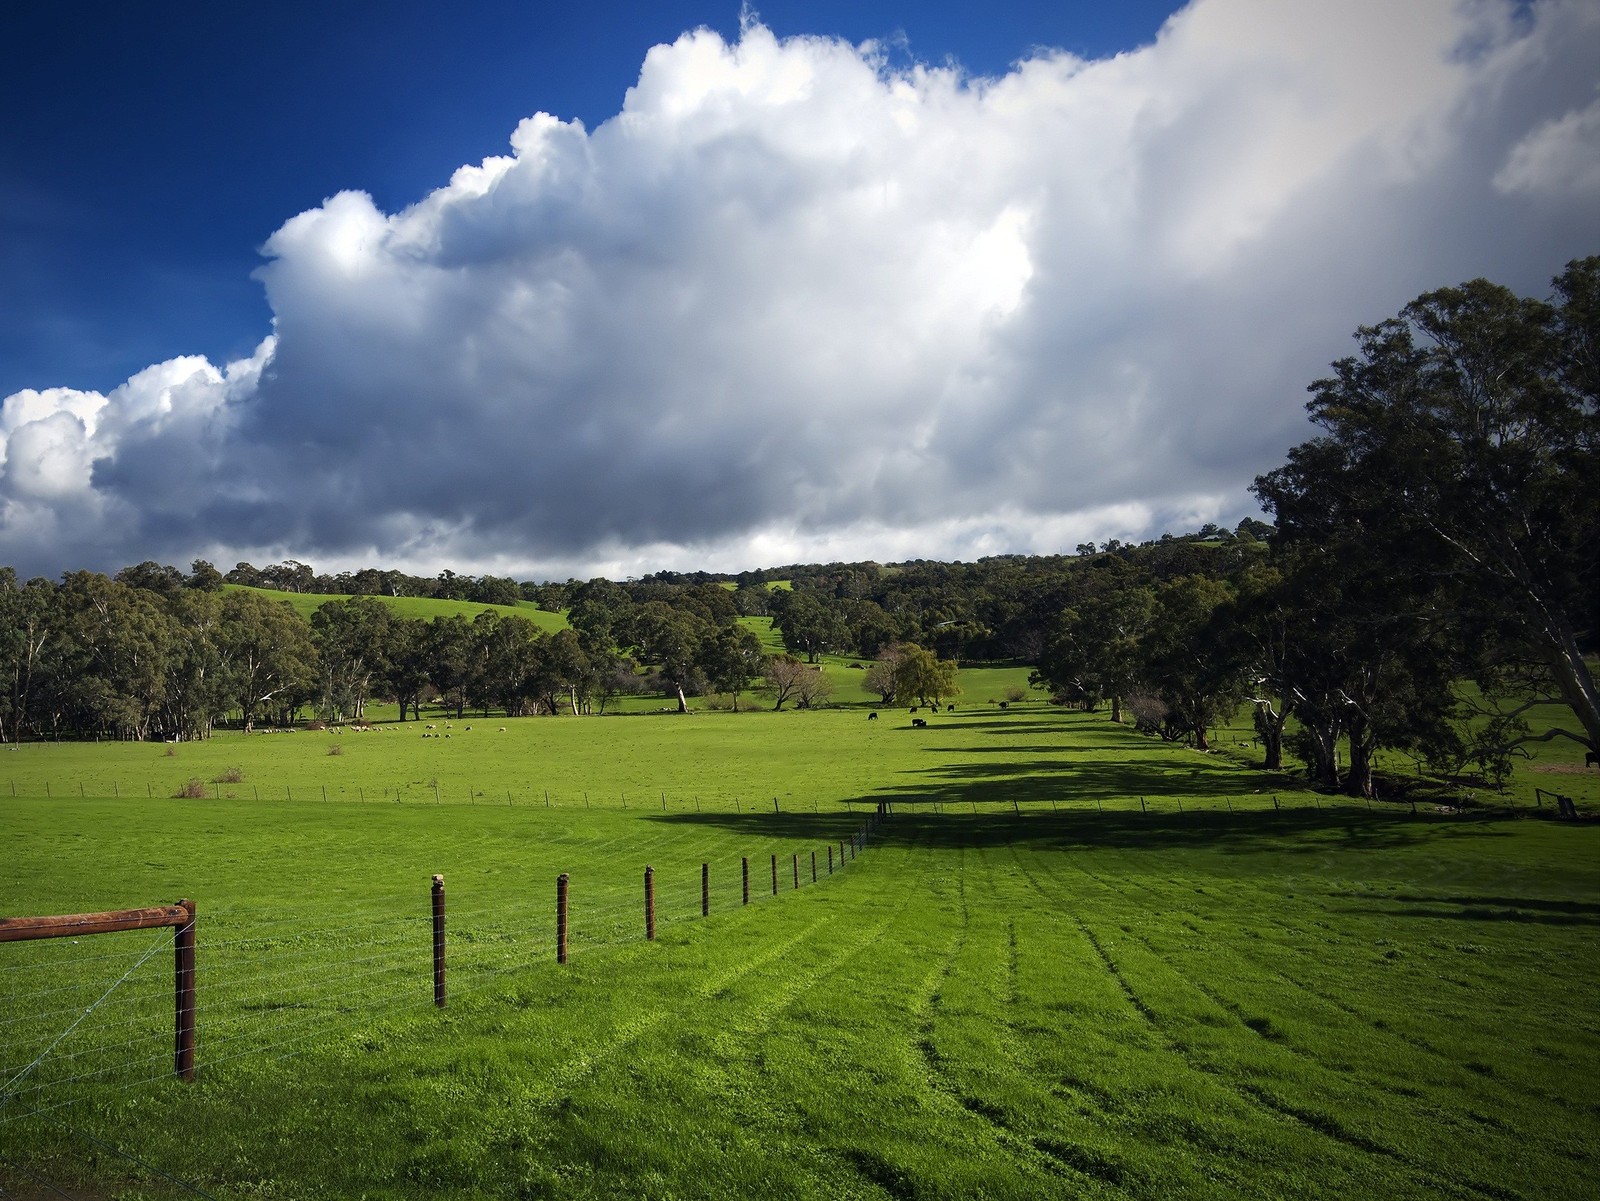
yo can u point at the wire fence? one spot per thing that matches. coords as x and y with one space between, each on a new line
83 1015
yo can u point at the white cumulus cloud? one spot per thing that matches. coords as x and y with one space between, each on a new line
794 303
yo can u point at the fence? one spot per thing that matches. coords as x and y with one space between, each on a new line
287 983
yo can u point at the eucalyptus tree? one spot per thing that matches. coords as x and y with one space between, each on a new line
353 644
1460 462
268 658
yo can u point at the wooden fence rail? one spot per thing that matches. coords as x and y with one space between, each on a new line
180 915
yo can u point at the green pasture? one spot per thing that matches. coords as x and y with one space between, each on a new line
1072 962
424 607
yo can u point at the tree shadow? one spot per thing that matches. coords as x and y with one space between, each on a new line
1299 830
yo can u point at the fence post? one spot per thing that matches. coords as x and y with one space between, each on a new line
797 871
830 859
438 941
183 996
775 804
813 867
705 890
561 918
744 866
774 875
650 903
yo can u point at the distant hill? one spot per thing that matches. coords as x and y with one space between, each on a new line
424 607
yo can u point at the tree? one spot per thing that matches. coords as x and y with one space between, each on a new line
810 625
731 658
405 664
204 577
881 676
352 640
1185 663
27 625
196 692
781 677
267 653
920 674
1095 650
1464 440
112 667
450 648
671 640
814 688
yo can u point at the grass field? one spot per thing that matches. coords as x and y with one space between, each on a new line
1073 962
424 607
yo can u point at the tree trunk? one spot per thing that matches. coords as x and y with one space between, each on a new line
1269 728
1116 709
1359 781
683 704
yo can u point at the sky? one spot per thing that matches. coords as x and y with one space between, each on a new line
552 291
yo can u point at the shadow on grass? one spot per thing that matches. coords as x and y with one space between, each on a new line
1082 827
1066 779
1481 909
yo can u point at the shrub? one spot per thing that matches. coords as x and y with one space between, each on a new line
232 775
195 787
316 725
1016 693
336 749
171 751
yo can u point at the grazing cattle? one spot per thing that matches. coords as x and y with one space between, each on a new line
950 708
913 709
433 727
1591 759
918 724
502 729
872 717
1002 704
933 708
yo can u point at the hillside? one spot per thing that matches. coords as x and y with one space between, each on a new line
424 607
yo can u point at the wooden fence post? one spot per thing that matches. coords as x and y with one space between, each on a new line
561 918
650 903
813 867
830 859
705 890
744 867
797 871
183 994
774 875
438 941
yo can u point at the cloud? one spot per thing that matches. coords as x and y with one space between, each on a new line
794 303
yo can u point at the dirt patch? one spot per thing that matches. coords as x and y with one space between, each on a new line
1559 769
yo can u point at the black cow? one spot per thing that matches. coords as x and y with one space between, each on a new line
872 717
918 724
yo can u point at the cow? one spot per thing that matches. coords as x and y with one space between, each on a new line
872 717
1591 759
918 724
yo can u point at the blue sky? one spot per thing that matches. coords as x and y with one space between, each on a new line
149 149
812 282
